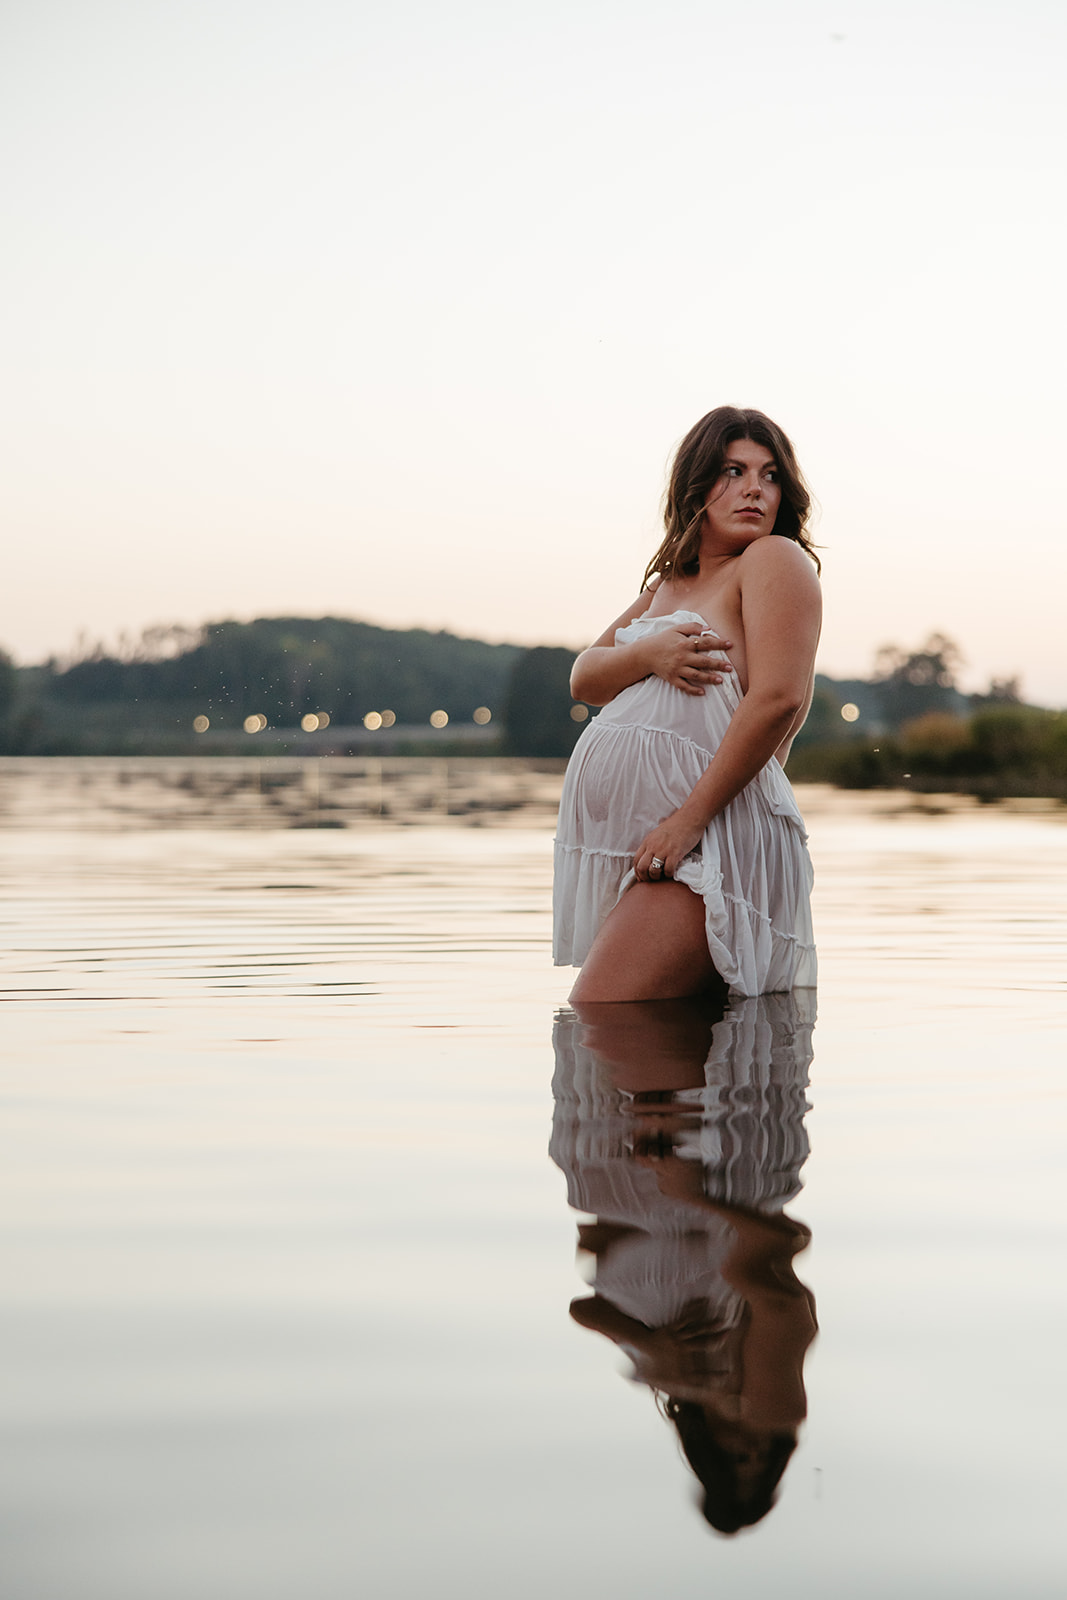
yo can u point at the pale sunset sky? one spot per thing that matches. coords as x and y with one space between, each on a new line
396 311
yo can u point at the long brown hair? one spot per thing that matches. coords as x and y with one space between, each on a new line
730 1502
698 466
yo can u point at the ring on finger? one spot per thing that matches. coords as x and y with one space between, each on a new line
656 865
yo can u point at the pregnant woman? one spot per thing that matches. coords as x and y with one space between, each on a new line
681 856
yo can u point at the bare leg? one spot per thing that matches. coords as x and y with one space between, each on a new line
653 1046
652 946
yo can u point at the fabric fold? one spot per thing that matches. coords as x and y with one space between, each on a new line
634 764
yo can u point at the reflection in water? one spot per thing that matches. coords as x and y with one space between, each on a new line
680 1128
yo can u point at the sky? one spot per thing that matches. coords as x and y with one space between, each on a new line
398 311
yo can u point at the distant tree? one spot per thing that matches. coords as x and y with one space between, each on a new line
823 724
935 662
916 683
164 641
8 691
1004 691
538 707
1009 738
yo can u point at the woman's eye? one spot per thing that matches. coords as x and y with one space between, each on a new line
772 477
733 472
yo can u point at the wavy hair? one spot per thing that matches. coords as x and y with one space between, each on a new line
698 465
730 1502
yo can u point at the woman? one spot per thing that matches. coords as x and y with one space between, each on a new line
681 858
679 1125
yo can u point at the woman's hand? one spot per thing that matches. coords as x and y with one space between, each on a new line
686 657
668 845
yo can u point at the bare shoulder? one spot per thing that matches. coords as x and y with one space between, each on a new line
775 560
776 553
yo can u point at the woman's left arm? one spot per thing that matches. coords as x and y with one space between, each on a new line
781 607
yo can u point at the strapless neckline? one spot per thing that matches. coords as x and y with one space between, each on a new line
681 615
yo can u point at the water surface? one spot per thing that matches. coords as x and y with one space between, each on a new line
286 1262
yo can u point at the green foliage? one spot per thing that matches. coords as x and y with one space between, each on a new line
935 742
1011 736
937 733
856 764
284 667
935 663
8 686
913 727
1000 750
8 694
914 684
823 724
538 710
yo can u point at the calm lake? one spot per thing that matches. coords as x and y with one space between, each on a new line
306 1160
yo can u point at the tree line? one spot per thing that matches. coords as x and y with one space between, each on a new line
908 723
281 668
284 667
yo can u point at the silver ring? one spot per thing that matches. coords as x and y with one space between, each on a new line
655 864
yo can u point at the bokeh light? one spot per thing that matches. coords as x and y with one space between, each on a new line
850 712
483 715
579 713
388 718
201 724
309 722
324 719
373 721
255 723
438 719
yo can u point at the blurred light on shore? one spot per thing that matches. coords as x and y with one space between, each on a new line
388 719
324 719
309 722
579 713
483 715
373 721
438 719
850 712
201 724
255 723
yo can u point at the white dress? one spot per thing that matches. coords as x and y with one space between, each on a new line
635 763
744 1126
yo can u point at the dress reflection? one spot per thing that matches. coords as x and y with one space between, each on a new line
680 1128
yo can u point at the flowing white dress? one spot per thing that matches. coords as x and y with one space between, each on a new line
635 763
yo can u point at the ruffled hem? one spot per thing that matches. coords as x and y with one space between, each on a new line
751 953
752 870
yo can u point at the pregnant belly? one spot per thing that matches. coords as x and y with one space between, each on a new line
629 779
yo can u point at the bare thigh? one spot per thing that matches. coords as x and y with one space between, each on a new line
652 946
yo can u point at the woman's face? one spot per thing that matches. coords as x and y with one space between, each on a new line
744 502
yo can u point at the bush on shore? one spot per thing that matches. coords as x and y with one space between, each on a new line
999 751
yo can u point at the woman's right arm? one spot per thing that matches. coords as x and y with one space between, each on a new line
680 656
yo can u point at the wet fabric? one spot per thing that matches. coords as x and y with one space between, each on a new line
635 763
